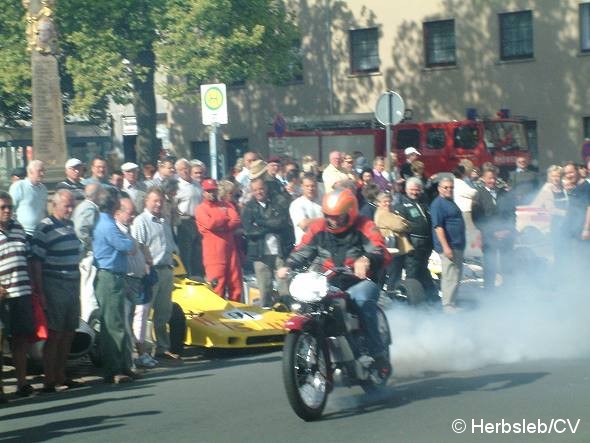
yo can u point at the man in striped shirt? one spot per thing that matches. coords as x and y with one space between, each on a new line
56 254
15 290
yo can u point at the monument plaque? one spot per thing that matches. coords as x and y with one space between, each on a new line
49 138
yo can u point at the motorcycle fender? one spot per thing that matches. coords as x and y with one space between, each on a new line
298 323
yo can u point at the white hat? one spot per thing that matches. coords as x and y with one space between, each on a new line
411 150
73 162
129 166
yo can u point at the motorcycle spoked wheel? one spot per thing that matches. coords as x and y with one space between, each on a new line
376 382
305 374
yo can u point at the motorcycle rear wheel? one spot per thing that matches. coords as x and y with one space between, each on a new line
305 374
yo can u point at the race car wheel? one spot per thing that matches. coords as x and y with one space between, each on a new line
305 374
94 351
413 290
177 327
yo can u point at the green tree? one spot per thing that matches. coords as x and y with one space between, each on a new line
15 68
108 47
111 49
226 41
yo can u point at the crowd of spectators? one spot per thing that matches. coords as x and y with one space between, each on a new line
111 237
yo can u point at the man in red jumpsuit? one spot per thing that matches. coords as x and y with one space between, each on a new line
217 222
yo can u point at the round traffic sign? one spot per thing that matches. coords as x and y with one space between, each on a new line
390 108
214 98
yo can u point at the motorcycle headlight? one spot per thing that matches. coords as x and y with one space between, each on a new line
308 287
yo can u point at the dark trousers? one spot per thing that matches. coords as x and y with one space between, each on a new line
190 247
416 266
394 271
114 339
497 258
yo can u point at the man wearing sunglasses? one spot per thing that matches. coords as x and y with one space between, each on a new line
448 233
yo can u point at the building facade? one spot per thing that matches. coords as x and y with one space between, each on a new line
531 57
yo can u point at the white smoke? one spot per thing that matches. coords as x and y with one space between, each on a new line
504 328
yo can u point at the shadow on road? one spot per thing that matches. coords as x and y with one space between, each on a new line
194 360
57 429
37 401
404 394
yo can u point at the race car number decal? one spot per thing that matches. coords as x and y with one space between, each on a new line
238 314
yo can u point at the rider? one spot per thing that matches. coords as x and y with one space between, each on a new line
343 238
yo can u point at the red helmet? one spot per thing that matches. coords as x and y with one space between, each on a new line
341 209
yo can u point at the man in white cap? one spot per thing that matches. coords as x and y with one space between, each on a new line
411 154
73 181
135 189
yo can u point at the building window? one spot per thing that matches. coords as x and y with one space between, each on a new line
585 27
364 50
530 126
234 149
294 70
200 151
439 43
516 35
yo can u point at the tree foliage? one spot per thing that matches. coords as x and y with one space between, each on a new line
110 50
15 69
103 42
225 41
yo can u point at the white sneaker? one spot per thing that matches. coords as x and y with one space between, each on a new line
145 361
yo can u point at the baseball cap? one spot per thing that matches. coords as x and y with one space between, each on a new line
129 166
209 184
411 150
73 162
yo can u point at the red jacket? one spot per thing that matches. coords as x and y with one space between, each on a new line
217 222
325 250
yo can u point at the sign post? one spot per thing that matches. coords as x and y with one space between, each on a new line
214 111
389 111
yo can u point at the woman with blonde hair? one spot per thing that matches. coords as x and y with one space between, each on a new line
393 227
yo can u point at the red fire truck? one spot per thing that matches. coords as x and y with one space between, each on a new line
442 144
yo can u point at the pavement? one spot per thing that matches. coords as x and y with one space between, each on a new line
83 371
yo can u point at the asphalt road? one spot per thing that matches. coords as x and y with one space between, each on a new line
241 399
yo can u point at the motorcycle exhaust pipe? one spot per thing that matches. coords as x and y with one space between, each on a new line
340 350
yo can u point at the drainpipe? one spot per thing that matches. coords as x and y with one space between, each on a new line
329 55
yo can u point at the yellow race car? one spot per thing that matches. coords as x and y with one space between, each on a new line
201 318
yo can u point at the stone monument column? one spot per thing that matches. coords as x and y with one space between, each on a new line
49 138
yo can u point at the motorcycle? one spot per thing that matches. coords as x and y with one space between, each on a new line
326 339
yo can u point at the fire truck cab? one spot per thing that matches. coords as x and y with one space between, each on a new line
444 144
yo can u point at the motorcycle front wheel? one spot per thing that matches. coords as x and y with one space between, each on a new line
305 374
